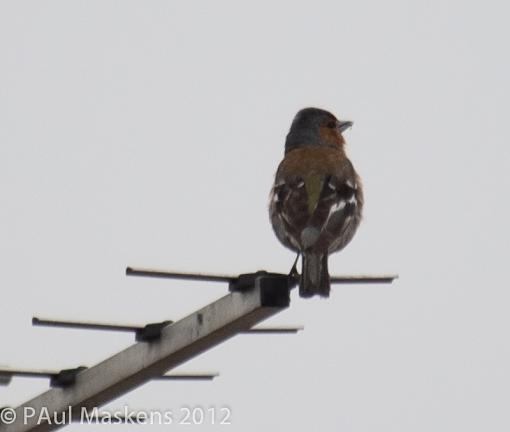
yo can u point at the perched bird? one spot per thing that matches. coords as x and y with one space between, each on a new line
317 199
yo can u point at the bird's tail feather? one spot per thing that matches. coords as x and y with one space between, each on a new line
315 276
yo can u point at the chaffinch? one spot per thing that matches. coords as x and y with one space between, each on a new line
317 199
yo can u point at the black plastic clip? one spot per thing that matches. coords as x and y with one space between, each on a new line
65 377
151 332
275 287
247 281
5 379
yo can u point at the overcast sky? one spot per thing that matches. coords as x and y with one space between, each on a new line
147 133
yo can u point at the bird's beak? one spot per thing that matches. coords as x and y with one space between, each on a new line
344 125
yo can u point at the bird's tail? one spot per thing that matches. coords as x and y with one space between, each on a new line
315 276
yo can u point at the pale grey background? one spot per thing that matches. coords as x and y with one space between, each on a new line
147 133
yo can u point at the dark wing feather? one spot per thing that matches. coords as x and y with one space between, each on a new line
288 210
338 213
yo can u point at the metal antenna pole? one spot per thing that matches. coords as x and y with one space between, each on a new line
144 361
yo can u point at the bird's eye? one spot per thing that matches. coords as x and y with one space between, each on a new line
331 125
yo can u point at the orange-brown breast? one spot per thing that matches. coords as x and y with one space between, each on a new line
309 160
332 136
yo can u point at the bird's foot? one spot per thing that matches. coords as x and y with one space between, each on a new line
294 274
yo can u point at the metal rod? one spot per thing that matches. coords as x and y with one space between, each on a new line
7 374
133 328
182 276
348 279
187 377
83 325
273 330
145 361
368 279
27 373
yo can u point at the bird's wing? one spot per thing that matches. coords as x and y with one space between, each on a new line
288 210
338 211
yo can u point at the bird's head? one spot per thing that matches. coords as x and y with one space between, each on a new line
316 127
